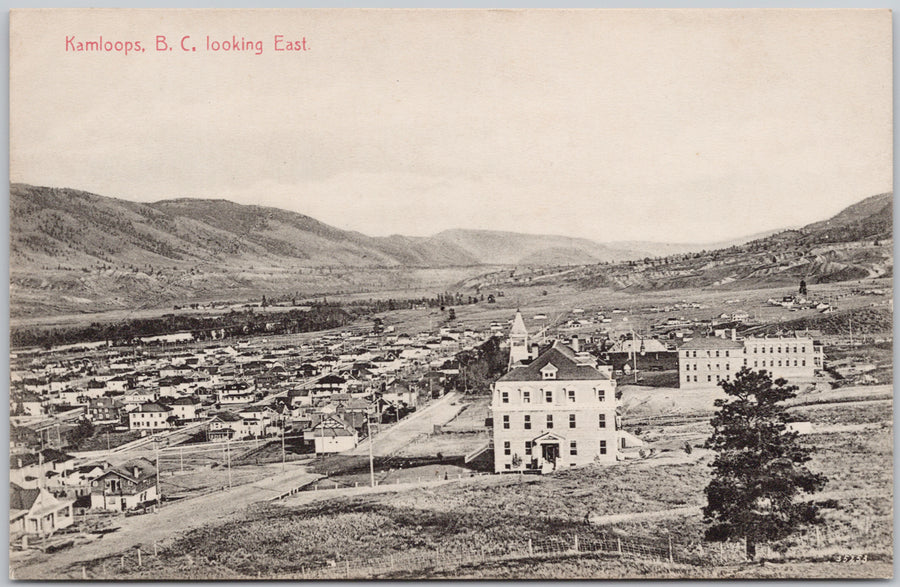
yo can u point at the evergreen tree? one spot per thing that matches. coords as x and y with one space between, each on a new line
759 467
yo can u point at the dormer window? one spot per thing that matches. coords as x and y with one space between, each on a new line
549 371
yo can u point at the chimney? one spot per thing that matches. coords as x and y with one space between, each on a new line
575 344
734 334
137 472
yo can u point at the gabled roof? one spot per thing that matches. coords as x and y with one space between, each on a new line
145 469
153 407
22 499
565 361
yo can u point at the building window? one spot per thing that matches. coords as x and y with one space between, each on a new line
695 379
603 447
709 377
548 395
687 378
549 421
745 362
803 363
795 349
717 353
803 349
526 397
506 422
727 367
795 362
726 353
573 448
527 422
755 364
528 448
695 366
754 350
571 395
601 395
779 362
602 420
506 449
504 397
718 378
695 354
571 420
764 350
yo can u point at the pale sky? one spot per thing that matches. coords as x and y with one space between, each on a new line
677 126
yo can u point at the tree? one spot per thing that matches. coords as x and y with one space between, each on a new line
802 287
759 467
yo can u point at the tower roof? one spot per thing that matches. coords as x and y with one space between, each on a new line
518 327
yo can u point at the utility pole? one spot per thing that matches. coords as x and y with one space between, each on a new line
851 332
228 452
283 433
158 486
371 456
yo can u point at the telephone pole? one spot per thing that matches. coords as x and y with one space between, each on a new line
371 456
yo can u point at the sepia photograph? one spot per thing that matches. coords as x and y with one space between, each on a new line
468 294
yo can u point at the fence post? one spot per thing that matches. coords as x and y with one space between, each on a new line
530 548
619 545
122 562
818 538
670 548
347 569
139 557
155 550
83 572
576 543
392 562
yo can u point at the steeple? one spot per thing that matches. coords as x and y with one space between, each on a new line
518 341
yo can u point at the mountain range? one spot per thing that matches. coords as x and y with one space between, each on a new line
67 244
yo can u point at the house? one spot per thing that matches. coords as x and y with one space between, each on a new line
554 412
333 435
225 426
150 417
105 409
185 408
126 487
36 512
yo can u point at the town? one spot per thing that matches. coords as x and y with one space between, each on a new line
106 438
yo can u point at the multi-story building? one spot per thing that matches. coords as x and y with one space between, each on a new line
556 411
705 361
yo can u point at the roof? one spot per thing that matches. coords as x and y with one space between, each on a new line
563 358
647 345
332 379
22 499
518 327
711 342
153 407
144 468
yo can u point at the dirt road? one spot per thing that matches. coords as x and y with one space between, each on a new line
417 423
171 521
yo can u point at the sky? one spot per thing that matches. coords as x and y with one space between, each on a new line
667 126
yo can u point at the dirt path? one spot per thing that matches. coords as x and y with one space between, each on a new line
393 439
171 521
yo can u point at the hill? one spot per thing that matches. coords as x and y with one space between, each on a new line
856 243
493 247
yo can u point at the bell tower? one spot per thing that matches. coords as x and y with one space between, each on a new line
518 341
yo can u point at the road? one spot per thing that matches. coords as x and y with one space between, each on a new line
171 521
421 422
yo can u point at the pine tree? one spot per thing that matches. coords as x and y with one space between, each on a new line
759 468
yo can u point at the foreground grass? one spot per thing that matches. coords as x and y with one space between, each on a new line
282 540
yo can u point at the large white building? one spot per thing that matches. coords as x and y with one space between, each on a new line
557 411
705 361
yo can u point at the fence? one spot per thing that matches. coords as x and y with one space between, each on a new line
815 542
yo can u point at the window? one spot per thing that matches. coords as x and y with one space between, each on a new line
695 366
504 397
602 420
603 447
573 448
527 421
727 367
754 364
526 397
718 378
717 353
779 362
726 353
687 378
745 362
795 362
779 349
795 349
549 396
803 349
506 449
601 395
709 377
571 420
528 448
695 354
803 363
549 421
754 350
695 379
506 422
571 395
764 350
